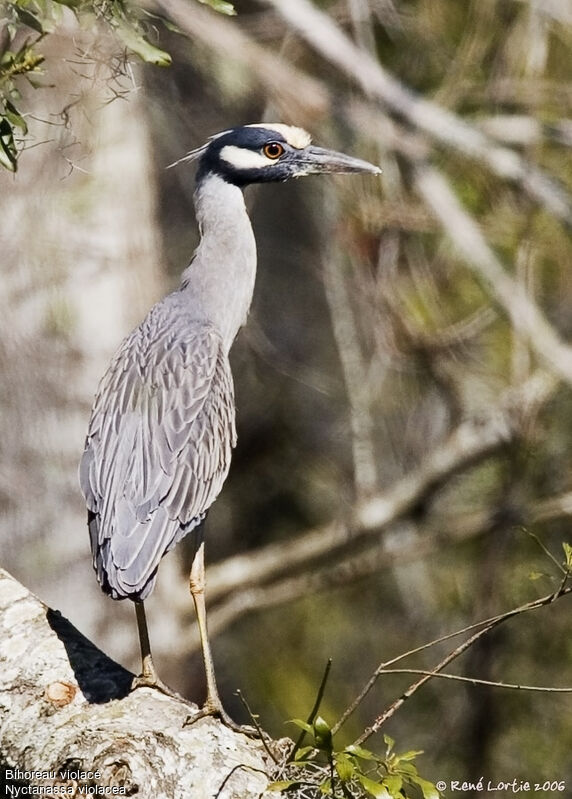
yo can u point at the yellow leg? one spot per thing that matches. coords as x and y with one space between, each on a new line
149 678
213 704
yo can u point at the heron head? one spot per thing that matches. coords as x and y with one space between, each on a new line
268 152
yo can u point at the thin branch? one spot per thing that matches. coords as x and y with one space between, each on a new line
476 681
464 232
546 551
354 369
263 736
489 625
314 711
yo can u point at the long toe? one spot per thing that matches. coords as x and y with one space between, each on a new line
152 681
216 710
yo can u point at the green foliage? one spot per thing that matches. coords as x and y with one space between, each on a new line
568 556
23 25
16 59
319 769
220 5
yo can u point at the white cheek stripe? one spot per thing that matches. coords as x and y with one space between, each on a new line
241 158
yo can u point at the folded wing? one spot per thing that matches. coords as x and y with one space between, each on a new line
158 449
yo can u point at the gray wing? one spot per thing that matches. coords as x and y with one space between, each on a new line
158 448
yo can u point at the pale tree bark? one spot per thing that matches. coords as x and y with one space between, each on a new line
66 707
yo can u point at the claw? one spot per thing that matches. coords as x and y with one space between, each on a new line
152 681
216 710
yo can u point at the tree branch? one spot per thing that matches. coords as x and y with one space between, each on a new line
255 580
66 706
489 625
443 126
474 439
524 314
545 689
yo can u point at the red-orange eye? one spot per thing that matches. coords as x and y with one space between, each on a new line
273 150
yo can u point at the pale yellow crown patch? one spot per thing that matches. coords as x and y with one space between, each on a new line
296 137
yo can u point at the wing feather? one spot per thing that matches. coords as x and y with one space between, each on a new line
158 447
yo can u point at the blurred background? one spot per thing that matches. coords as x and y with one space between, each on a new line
403 386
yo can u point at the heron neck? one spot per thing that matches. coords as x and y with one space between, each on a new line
219 281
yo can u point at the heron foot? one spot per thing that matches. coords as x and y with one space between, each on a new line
216 710
152 681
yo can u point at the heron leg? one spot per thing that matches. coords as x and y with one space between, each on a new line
213 705
148 677
148 672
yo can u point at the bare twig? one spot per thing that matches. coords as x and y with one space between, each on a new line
476 681
314 711
546 551
488 626
355 371
524 314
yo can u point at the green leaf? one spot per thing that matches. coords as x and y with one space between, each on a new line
302 724
568 554
8 151
302 752
407 768
358 751
14 118
374 788
321 726
281 785
29 19
389 742
428 790
322 734
344 767
221 6
139 45
411 755
393 783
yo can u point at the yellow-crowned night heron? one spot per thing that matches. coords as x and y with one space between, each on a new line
162 427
